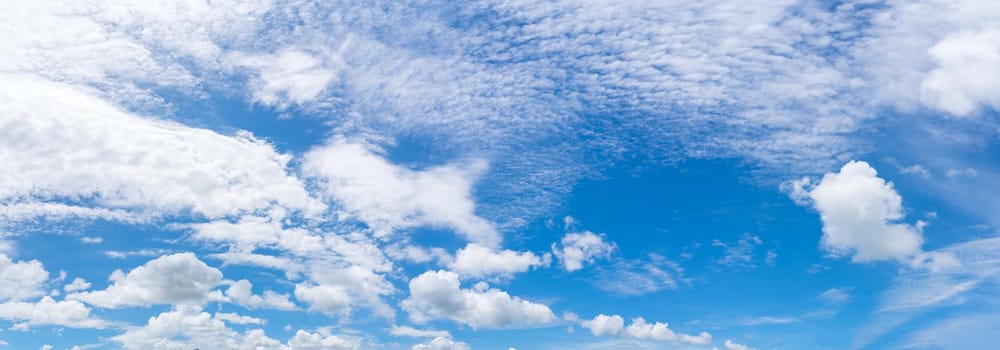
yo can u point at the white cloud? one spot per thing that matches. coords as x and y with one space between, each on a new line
77 285
639 276
953 173
171 279
477 261
289 76
22 279
442 343
970 281
730 345
48 312
407 331
967 74
740 253
386 196
639 329
835 296
241 293
129 165
304 340
337 291
603 325
435 295
91 240
189 328
860 214
239 319
579 248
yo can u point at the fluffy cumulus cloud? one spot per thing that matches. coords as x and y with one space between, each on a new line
860 213
304 340
438 295
21 279
730 345
967 74
127 167
579 248
639 329
477 261
441 343
241 293
171 279
49 312
338 291
190 328
387 196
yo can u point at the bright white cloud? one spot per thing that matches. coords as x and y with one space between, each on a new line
304 340
730 345
442 343
289 76
338 291
128 164
189 328
386 196
477 261
603 325
77 285
171 279
239 319
579 248
241 293
967 74
21 279
407 331
614 325
48 312
861 212
438 294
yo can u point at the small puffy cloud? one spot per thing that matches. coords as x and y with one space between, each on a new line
386 196
22 279
304 340
603 325
171 279
77 285
967 74
478 261
188 327
437 294
442 343
860 213
578 248
730 345
241 293
48 312
639 329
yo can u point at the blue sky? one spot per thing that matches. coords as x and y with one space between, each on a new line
437 175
